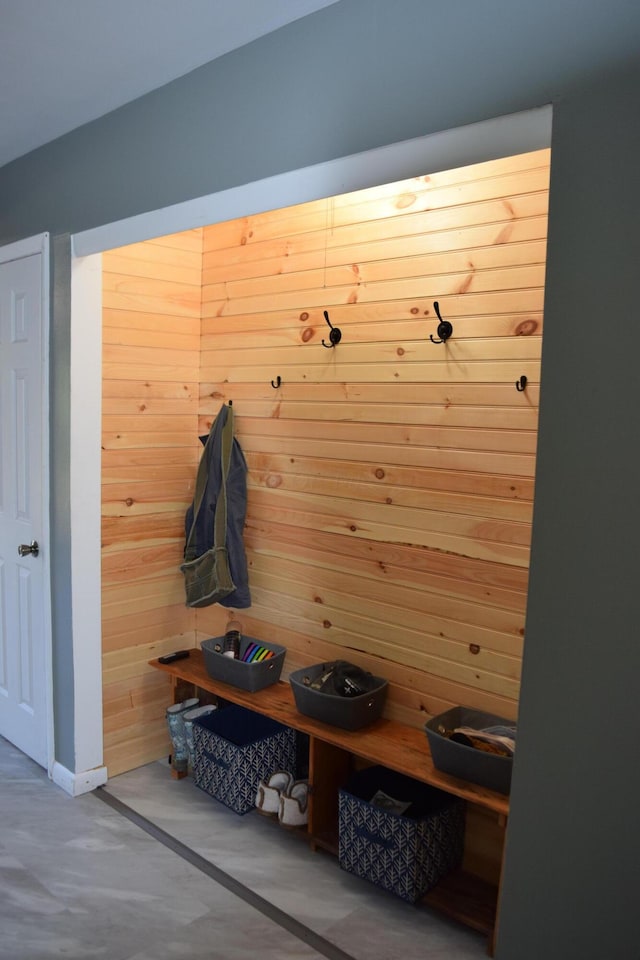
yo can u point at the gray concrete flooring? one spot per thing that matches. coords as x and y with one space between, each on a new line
79 880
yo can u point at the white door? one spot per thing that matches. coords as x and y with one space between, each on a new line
25 655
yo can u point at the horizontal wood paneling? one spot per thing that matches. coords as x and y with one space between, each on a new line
151 357
391 479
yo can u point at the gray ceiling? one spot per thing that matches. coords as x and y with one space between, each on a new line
65 62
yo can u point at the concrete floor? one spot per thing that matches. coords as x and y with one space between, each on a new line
79 880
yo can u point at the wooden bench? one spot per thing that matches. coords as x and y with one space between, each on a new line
332 752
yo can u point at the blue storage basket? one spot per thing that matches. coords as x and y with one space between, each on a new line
408 853
235 748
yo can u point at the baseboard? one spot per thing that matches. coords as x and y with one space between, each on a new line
75 784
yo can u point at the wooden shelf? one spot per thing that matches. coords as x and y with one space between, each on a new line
394 745
331 751
466 898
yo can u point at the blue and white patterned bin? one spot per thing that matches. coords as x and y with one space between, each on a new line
235 748
405 853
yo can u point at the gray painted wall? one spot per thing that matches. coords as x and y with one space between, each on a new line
368 72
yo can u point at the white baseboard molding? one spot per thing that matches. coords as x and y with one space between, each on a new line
75 784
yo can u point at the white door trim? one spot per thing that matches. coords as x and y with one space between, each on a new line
475 143
28 247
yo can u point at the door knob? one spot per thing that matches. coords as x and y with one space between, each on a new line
28 548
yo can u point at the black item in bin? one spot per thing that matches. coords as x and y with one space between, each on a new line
349 713
405 853
486 769
246 676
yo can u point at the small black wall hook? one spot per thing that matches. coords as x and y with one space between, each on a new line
521 384
445 328
277 383
335 335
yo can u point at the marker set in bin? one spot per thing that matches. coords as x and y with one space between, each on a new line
256 653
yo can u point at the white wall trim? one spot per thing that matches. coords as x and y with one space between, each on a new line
475 143
26 248
75 784
85 491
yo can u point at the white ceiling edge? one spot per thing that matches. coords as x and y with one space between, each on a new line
475 143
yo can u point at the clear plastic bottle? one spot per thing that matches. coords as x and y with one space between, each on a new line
232 639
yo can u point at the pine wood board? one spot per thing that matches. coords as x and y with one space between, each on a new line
332 215
445 615
358 512
145 528
380 456
424 395
152 323
123 355
388 532
323 554
144 390
354 633
183 342
386 556
282 278
502 214
397 413
183 254
151 296
216 299
168 621
140 369
416 625
469 304
396 330
423 497
285 428
188 271
306 251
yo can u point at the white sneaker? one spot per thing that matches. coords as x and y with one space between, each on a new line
294 806
270 792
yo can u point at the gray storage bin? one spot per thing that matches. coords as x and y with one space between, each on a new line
246 676
350 713
468 763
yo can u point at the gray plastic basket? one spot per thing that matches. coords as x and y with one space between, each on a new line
468 763
246 676
350 713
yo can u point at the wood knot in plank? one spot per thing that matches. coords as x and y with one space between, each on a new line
526 327
405 200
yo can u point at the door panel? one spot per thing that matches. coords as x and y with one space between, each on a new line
24 694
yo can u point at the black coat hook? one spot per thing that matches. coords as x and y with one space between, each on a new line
521 384
335 336
445 328
277 383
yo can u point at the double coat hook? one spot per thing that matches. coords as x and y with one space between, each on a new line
445 328
335 335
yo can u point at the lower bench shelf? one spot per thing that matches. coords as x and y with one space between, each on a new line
333 752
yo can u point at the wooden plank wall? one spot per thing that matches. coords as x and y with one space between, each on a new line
390 478
151 357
